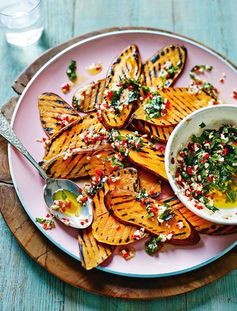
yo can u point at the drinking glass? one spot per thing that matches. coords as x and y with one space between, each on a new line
21 20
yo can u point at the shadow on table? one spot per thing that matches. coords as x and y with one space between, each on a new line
23 56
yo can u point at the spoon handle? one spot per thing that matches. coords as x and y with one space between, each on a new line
7 132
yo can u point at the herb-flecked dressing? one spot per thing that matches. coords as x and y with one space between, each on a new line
207 168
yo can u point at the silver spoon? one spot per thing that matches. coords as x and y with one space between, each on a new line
85 217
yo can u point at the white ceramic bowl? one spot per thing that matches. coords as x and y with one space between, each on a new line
213 117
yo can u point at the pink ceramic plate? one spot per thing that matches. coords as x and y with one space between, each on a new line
29 186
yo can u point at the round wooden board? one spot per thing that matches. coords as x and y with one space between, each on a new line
68 269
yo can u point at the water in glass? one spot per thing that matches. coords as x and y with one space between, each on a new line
21 21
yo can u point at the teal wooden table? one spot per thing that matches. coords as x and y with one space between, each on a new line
23 284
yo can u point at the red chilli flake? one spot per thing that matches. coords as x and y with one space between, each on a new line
99 116
65 88
234 94
160 148
225 151
167 105
210 178
99 173
110 95
189 170
205 157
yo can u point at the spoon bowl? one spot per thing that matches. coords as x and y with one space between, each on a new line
84 219
80 221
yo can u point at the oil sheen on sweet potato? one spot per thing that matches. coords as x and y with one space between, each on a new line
159 133
150 182
79 164
72 136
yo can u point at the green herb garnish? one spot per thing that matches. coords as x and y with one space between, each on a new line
64 195
153 245
202 125
231 196
154 107
119 98
168 214
71 71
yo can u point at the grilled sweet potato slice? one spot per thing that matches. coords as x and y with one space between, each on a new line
92 253
86 99
126 178
147 156
125 67
79 164
128 209
200 224
182 103
162 134
55 113
173 55
105 227
150 182
73 136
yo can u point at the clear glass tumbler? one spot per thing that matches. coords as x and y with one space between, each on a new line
21 21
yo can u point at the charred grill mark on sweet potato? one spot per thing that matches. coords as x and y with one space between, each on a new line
87 98
200 224
151 68
80 164
51 108
157 132
58 167
128 67
71 136
181 104
147 157
92 253
127 209
106 228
